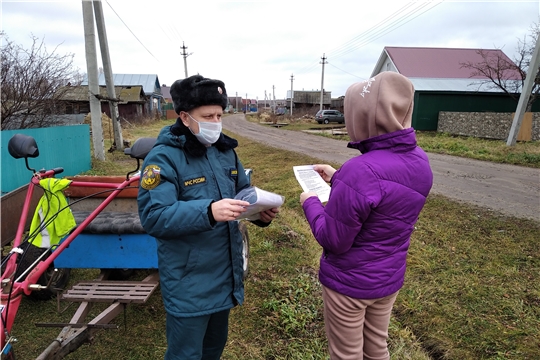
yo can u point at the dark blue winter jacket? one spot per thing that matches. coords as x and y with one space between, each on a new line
200 261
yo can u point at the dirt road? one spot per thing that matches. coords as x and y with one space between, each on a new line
510 190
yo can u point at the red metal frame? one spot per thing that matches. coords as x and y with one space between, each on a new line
12 290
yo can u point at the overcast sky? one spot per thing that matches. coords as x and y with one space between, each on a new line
255 46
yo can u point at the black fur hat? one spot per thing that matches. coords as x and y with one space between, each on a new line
195 91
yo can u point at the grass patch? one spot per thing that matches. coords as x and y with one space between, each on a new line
471 290
523 153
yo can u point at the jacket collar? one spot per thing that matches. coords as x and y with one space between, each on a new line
193 147
405 137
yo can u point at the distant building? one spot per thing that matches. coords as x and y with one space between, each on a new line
248 105
442 83
309 100
235 103
166 93
149 83
337 103
167 109
75 101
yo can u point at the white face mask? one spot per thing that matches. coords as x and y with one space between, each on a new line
208 131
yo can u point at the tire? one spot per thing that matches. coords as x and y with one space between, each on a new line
119 274
319 122
60 277
326 121
245 246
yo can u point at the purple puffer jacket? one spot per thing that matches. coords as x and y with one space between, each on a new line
366 225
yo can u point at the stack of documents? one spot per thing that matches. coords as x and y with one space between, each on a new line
259 200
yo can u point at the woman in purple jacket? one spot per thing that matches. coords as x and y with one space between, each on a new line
365 227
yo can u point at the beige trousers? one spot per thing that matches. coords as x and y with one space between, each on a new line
357 329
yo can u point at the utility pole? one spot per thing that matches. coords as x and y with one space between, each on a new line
322 79
525 94
247 101
236 101
265 99
185 55
113 105
292 78
274 95
93 83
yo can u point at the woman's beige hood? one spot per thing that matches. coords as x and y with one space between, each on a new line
380 105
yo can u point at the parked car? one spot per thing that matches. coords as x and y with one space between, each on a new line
328 116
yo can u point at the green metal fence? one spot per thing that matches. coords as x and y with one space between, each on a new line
60 146
428 104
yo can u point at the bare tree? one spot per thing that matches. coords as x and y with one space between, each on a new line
509 76
31 84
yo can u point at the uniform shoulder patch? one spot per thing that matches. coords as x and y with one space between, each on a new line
150 177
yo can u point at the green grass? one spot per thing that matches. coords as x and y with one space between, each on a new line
471 289
523 153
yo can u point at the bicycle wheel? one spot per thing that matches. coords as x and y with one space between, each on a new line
58 278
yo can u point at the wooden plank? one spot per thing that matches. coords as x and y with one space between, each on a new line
111 291
525 132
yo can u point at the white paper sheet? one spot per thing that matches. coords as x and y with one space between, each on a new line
259 200
310 180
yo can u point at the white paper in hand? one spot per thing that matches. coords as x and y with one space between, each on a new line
310 180
259 200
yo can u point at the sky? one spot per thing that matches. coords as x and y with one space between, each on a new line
257 47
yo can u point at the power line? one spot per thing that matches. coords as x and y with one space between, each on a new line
376 30
171 31
308 68
166 33
383 32
131 31
177 32
351 42
346 72
374 33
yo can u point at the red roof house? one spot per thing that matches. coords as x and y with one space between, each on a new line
443 83
441 68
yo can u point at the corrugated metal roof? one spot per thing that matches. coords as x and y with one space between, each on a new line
470 85
125 93
149 82
439 63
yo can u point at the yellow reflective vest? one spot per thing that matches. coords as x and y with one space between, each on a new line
53 218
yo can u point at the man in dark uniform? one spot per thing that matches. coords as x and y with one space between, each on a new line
186 201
